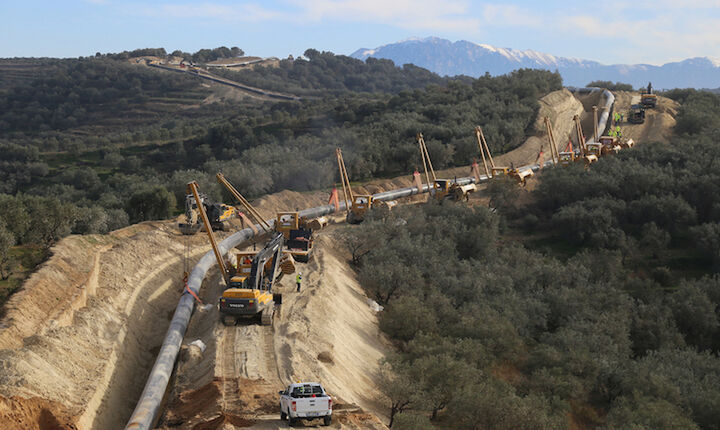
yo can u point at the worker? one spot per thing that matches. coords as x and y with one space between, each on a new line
298 280
618 132
616 117
247 260
649 88
611 133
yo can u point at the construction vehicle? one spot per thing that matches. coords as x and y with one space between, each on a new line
647 98
297 233
355 205
245 295
495 171
610 144
636 114
442 189
219 214
250 291
297 230
305 400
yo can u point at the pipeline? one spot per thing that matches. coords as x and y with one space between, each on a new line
146 413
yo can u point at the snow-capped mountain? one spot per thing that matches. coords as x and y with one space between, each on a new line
468 58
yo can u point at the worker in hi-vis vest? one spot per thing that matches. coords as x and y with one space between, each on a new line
298 280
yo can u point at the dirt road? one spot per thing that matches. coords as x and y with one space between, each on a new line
659 121
327 332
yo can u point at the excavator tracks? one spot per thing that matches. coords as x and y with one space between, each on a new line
230 370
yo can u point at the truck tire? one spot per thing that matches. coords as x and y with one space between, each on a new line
327 420
227 320
283 416
292 421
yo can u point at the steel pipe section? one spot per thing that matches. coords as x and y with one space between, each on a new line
605 108
147 410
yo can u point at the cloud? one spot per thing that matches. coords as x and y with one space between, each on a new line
668 37
438 15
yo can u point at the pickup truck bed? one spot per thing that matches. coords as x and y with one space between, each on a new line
307 400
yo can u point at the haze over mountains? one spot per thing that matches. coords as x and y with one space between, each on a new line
468 58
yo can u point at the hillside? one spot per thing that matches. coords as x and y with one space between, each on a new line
467 58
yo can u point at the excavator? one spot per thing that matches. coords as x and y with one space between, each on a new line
219 214
355 205
495 171
647 98
442 189
248 292
296 230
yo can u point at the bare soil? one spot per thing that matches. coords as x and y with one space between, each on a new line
327 332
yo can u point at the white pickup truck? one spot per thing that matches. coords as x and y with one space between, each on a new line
305 400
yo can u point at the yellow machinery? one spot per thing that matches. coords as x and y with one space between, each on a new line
355 205
219 214
494 171
647 98
442 188
250 290
298 236
299 223
246 296
609 145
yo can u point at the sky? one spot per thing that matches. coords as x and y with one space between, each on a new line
611 32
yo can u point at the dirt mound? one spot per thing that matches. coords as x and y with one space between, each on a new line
17 413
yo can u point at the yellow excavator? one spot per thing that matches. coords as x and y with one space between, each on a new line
249 283
494 171
647 98
442 189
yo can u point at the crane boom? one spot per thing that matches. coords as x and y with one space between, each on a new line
347 191
192 188
551 141
427 164
251 210
580 135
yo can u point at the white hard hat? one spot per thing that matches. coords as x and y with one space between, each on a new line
299 273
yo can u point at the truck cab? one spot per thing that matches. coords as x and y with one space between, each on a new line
305 400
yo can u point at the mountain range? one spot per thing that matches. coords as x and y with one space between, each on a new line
468 58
